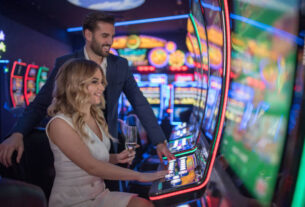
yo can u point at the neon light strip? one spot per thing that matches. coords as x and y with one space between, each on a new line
183 153
228 37
11 80
25 82
298 197
210 6
139 21
259 25
4 61
197 33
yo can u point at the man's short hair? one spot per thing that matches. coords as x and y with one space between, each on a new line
91 20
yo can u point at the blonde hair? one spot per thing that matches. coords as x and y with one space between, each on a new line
70 93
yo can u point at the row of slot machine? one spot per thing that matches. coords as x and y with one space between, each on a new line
25 82
20 82
244 142
173 98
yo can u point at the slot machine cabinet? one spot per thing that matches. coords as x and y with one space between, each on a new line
16 84
42 77
29 83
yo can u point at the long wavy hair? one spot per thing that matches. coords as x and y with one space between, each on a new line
71 93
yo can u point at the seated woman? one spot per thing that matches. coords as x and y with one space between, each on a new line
79 138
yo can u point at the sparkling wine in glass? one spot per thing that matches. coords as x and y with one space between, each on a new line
131 137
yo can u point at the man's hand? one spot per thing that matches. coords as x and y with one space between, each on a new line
162 150
8 146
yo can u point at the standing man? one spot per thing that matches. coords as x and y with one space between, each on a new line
98 30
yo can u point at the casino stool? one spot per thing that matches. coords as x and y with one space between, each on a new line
36 165
39 161
16 193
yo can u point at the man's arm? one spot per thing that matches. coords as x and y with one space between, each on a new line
32 115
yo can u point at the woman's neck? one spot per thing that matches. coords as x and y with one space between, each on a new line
86 111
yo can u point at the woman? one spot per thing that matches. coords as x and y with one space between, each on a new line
80 142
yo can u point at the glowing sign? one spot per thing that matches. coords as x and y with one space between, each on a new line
158 57
105 5
184 77
143 40
2 47
170 46
189 60
2 35
157 78
133 41
177 58
135 57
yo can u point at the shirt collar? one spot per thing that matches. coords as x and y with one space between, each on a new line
103 64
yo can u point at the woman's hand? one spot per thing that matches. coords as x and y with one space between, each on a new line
126 156
148 177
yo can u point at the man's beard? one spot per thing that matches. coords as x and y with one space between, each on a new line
97 49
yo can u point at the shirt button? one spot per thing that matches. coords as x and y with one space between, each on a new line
92 184
92 141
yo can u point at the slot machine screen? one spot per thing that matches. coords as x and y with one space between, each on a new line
213 56
32 72
264 46
153 94
17 85
212 106
20 70
184 96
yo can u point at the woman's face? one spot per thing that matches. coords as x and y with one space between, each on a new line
96 88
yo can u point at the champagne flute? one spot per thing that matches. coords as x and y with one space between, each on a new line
131 137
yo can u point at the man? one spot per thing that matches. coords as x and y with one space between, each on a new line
98 30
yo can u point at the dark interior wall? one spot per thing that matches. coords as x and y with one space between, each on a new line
30 45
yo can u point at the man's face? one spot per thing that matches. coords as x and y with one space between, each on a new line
102 39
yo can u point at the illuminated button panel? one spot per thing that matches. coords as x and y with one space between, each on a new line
182 144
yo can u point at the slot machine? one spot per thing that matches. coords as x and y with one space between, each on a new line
29 83
189 174
262 156
16 84
42 77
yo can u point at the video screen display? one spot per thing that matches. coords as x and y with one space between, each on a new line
263 65
32 73
183 98
212 106
152 92
18 92
20 70
212 47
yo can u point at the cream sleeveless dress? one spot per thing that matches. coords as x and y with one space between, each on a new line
75 187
